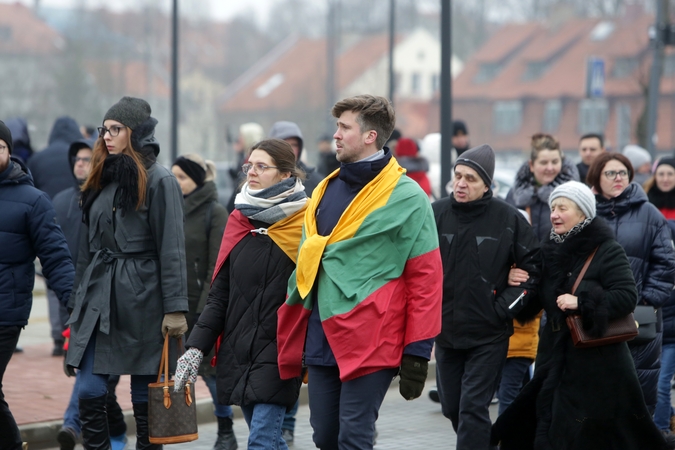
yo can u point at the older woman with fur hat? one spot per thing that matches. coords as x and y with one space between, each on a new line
131 285
580 398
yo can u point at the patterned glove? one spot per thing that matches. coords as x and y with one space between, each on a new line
174 324
187 368
413 375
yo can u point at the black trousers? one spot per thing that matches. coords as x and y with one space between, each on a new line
10 437
343 415
466 380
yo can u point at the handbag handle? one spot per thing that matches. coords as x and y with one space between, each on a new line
583 270
164 362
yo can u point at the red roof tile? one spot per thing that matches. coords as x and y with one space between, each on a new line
23 33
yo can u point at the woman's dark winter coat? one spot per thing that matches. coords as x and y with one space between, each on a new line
644 234
130 273
581 398
668 309
242 304
526 193
28 229
205 221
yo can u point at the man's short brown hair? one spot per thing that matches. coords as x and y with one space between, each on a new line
374 113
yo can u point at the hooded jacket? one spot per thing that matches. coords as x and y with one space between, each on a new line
67 203
27 230
285 130
50 168
20 138
527 194
645 236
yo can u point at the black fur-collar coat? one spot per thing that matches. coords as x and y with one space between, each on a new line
581 399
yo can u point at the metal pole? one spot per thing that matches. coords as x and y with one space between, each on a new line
655 77
330 62
174 82
392 19
446 95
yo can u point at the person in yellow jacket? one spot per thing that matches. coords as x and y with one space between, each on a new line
522 352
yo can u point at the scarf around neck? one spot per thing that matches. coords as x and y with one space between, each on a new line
271 204
119 168
560 238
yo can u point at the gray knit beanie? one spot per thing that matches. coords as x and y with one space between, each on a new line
579 193
482 160
129 111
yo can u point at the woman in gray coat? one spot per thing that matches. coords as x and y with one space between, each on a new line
131 274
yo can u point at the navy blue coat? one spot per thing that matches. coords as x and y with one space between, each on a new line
644 234
668 309
50 168
28 229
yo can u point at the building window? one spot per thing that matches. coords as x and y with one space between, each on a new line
593 114
435 84
508 117
623 125
624 67
669 66
415 81
552 115
486 72
534 70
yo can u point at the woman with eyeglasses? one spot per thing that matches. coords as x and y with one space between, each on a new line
644 234
257 256
130 282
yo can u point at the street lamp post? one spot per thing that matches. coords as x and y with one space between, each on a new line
446 95
174 82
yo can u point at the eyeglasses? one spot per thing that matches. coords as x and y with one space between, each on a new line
113 130
85 159
611 174
257 168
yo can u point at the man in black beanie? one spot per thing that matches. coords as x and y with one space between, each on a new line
481 237
460 138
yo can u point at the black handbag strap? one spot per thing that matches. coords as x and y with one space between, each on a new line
583 270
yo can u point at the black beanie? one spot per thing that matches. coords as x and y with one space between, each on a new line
192 170
482 160
129 111
6 135
669 161
459 126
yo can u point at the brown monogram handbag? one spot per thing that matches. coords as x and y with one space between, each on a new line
618 330
172 416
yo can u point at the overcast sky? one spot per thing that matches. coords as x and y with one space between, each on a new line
220 9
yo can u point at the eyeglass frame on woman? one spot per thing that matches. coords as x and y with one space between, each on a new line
103 130
259 168
611 174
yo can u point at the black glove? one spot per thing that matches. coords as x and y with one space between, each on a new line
68 370
413 374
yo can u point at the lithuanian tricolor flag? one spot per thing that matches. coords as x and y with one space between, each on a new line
377 277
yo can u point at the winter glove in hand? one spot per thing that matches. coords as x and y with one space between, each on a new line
412 376
175 324
187 368
68 370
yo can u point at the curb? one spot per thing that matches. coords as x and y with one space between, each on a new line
42 435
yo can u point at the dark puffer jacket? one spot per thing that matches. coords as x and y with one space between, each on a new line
526 193
668 309
243 302
28 229
645 236
50 167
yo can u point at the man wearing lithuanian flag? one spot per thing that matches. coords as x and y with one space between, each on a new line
365 299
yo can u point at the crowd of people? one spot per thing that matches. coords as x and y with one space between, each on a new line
265 292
